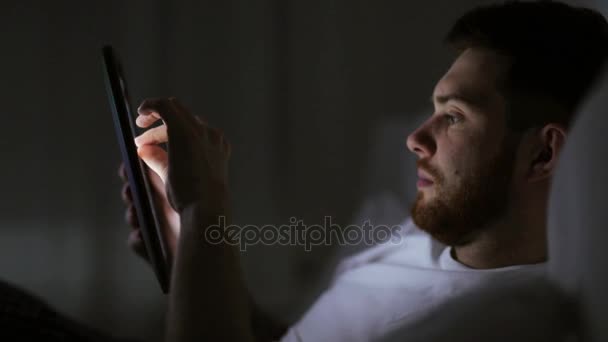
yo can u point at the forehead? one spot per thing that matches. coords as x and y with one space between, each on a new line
475 75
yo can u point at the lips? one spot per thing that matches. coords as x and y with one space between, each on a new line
423 180
422 175
423 183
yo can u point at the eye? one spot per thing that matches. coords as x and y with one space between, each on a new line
452 118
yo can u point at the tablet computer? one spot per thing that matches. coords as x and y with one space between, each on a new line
137 172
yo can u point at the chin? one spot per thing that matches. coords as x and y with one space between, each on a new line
425 195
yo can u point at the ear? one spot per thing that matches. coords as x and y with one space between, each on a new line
548 144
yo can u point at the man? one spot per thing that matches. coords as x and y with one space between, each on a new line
485 161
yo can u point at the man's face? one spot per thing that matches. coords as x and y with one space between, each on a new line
464 162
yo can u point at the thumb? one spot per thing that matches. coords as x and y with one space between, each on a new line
156 158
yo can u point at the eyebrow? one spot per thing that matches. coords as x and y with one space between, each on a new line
470 100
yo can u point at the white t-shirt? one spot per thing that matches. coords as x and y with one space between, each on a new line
381 289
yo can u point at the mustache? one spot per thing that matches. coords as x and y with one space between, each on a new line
425 165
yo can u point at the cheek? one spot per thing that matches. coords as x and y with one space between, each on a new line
461 156
451 165
460 165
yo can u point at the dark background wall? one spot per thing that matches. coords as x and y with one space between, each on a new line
317 97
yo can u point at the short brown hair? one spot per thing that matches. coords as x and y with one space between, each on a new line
555 51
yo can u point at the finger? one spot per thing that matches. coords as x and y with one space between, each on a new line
187 121
150 105
122 172
167 109
153 105
157 185
154 108
136 243
131 217
181 125
144 121
156 159
125 194
154 135
191 119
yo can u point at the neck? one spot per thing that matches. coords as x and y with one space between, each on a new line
518 239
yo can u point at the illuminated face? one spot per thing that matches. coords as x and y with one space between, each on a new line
465 164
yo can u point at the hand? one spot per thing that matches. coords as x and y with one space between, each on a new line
208 298
194 167
170 220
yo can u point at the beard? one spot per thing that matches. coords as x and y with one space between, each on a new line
458 212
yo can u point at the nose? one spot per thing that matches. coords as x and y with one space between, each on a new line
421 141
